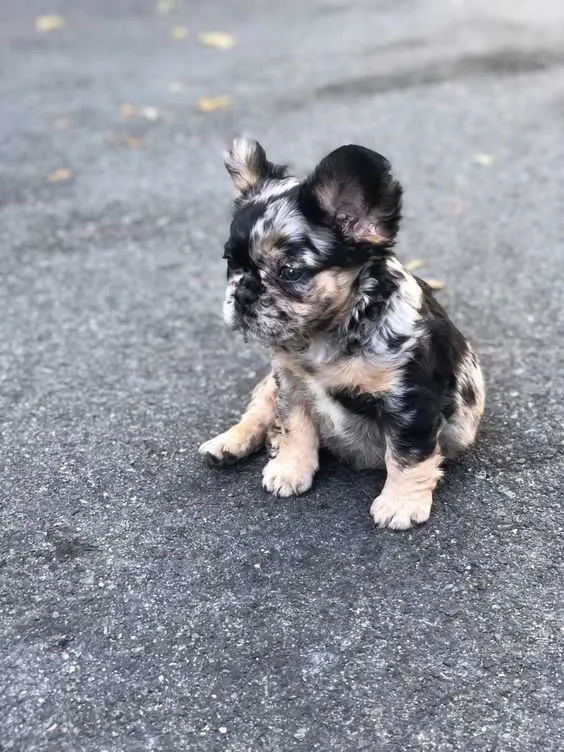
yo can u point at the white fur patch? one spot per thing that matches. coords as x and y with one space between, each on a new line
322 238
460 431
402 314
329 408
273 188
229 301
470 375
286 219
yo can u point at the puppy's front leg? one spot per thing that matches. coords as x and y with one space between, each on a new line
249 434
408 492
293 468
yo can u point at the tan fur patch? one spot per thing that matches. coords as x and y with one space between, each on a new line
359 374
244 162
408 492
350 373
292 471
249 434
334 286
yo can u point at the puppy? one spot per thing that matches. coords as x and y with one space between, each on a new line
365 362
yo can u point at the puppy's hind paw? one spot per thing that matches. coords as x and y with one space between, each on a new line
400 514
285 478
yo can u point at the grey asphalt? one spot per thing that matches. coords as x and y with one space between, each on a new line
148 602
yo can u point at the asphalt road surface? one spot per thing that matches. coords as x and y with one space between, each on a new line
148 602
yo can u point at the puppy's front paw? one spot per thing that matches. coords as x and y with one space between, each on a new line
288 476
228 447
398 513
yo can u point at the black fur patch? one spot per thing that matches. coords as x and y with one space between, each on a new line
373 288
359 182
360 403
238 246
468 394
429 381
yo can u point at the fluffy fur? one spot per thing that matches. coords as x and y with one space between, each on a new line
365 362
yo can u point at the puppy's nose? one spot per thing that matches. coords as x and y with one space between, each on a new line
247 291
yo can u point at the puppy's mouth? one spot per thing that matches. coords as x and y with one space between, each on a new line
241 297
236 317
251 324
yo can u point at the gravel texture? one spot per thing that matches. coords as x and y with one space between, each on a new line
148 602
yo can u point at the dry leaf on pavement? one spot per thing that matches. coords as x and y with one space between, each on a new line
131 142
165 6
49 23
210 104
57 176
179 32
218 39
483 159
128 110
435 284
413 265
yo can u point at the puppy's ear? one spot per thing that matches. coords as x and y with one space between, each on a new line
355 187
248 166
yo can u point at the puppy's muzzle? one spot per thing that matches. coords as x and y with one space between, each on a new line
247 292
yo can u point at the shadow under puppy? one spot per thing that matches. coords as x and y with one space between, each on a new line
365 362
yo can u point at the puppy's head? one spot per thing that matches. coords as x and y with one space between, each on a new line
296 248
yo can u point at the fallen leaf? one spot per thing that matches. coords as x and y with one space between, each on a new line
165 6
62 123
218 39
413 265
179 32
51 728
176 87
435 284
132 142
128 110
483 159
210 104
49 23
150 113
59 175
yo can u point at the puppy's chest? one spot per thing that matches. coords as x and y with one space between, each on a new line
342 400
343 389
349 420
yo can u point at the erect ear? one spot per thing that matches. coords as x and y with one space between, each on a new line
248 166
355 187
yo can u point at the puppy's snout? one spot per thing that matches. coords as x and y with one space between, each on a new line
248 291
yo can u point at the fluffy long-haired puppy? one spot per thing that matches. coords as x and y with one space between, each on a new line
365 362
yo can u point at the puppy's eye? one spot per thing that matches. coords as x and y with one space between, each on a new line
290 273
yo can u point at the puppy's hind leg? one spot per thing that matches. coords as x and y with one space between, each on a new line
459 432
413 466
407 495
249 434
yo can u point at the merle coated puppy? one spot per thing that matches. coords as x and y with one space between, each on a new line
365 362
